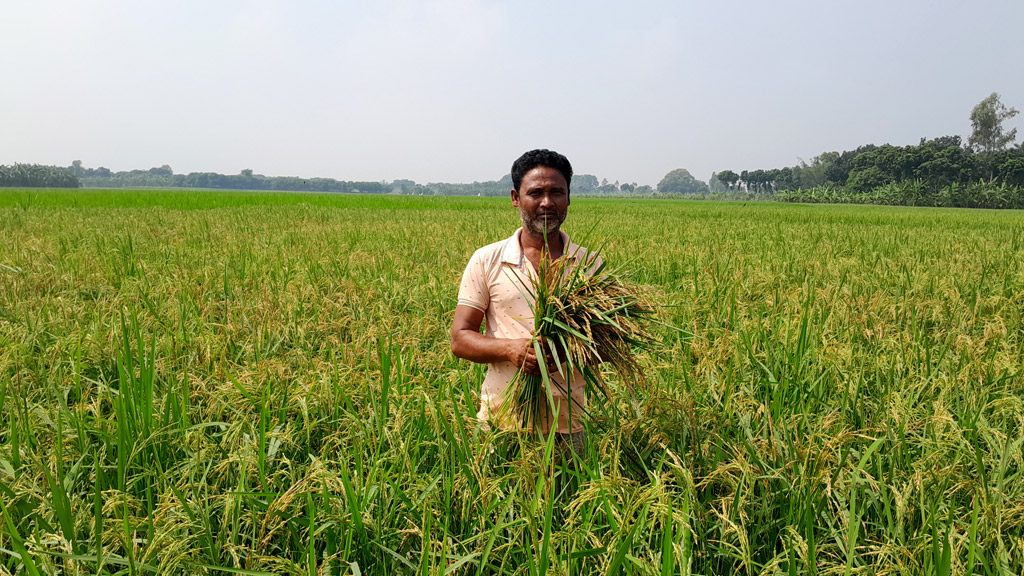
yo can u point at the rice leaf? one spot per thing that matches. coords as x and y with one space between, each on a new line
584 315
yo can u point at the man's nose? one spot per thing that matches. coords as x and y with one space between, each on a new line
546 201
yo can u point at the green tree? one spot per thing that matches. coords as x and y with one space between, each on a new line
38 176
403 186
680 181
838 171
784 179
607 187
582 184
987 118
1012 171
728 177
716 185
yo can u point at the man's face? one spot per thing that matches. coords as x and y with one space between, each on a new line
543 200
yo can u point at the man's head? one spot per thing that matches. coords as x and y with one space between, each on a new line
534 158
541 190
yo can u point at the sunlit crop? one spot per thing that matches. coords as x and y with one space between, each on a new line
244 383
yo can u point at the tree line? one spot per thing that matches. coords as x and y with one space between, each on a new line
582 184
987 171
164 177
936 164
37 176
77 175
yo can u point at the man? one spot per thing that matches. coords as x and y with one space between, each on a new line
492 289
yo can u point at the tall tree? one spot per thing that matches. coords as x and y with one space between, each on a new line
987 125
715 184
581 184
728 177
680 181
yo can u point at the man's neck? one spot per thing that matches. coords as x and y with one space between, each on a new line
534 244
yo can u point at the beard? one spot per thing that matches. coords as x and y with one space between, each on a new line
540 224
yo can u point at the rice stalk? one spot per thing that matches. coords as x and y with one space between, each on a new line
584 315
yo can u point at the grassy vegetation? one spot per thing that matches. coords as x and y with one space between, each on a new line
233 383
914 193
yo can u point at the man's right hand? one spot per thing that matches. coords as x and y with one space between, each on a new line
521 353
468 343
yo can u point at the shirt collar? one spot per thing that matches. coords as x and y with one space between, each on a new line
512 253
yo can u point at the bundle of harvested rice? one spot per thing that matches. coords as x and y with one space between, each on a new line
583 315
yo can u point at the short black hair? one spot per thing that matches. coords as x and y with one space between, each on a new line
546 158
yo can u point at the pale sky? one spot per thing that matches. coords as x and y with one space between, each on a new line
455 90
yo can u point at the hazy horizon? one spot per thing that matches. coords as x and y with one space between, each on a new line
455 90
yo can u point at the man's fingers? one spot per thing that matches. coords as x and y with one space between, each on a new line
531 364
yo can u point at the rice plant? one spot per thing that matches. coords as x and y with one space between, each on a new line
234 383
584 315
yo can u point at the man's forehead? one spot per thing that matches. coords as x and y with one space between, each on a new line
543 176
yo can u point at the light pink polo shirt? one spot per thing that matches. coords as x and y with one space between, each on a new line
494 283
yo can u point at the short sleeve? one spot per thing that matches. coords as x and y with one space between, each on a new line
473 290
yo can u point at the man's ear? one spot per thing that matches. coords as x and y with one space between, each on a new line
515 198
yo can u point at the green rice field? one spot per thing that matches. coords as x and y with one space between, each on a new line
261 383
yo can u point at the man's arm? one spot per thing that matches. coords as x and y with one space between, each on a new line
469 344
